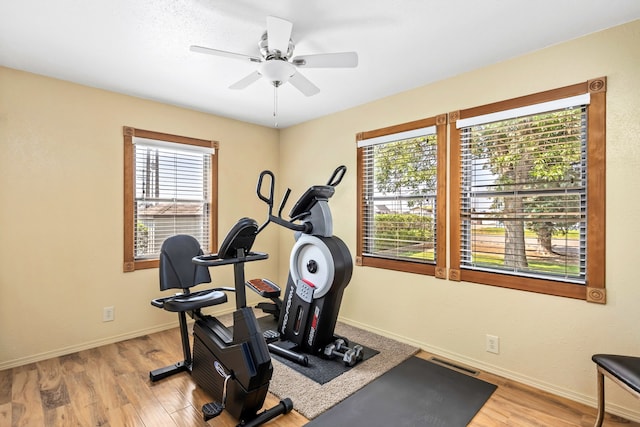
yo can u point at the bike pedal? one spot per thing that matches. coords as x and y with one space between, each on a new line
270 335
211 410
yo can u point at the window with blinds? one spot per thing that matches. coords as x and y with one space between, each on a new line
527 192
172 194
523 195
170 187
399 181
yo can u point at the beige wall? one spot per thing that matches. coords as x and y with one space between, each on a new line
61 211
61 220
545 341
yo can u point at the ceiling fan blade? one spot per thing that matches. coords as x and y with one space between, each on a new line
327 60
224 53
246 81
278 34
303 84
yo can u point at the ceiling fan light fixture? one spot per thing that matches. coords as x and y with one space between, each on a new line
277 71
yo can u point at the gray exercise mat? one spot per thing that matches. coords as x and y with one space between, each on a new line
414 393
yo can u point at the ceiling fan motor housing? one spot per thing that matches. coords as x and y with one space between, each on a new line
267 54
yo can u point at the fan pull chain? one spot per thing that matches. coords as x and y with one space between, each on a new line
275 105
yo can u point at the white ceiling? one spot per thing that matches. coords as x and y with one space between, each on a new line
141 47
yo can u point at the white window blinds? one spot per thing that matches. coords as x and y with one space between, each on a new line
399 195
523 192
172 194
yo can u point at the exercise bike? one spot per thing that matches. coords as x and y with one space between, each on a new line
232 365
320 268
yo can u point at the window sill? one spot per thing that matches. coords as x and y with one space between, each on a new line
548 287
396 265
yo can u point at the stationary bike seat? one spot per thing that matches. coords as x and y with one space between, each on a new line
192 301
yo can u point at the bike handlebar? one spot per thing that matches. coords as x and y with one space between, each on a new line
267 200
337 175
334 180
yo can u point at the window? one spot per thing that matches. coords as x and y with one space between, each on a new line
170 187
401 194
527 192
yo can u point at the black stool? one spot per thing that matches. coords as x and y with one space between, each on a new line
622 370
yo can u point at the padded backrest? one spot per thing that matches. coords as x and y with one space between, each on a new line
176 268
241 236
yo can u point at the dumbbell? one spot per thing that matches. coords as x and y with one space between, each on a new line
350 356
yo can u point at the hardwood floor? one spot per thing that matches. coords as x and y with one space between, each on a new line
109 386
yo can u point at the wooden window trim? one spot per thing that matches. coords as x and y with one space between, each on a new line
130 263
594 291
439 269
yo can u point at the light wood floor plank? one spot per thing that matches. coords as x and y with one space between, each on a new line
174 393
102 381
5 414
53 389
136 388
119 358
26 409
6 378
62 416
189 417
85 400
126 416
75 362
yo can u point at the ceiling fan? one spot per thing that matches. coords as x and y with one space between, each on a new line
276 63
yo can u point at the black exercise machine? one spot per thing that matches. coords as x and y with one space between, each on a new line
232 365
320 269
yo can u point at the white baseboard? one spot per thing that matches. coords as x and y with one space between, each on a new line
612 408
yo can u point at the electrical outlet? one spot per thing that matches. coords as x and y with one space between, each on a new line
493 344
108 314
